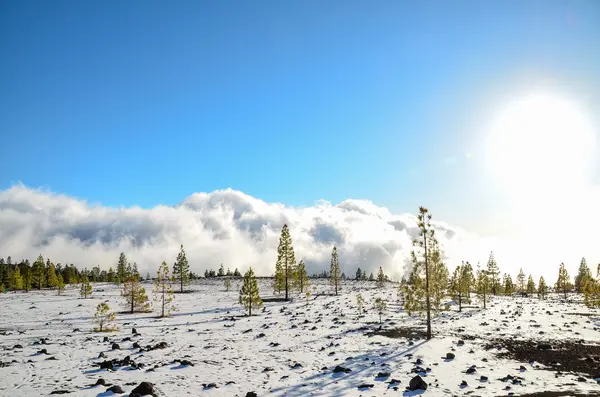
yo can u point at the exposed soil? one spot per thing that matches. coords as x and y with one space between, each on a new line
565 356
400 332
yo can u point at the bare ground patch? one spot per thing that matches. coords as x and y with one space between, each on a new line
399 332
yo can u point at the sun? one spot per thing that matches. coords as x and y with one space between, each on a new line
540 144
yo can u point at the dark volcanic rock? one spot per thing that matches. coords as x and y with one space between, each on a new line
417 383
142 389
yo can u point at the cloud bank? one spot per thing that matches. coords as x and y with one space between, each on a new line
233 228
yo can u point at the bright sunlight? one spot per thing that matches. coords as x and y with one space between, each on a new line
540 142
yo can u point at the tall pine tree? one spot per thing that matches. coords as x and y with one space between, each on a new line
249 294
163 291
285 267
583 275
334 271
39 272
493 272
121 268
181 269
563 284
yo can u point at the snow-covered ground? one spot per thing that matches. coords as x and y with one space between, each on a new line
286 349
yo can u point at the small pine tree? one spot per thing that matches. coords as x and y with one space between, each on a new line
334 271
163 291
591 293
380 307
104 318
111 276
221 271
249 294
582 276
17 280
371 277
542 288
530 285
302 276
493 272
121 275
360 302
39 272
52 279
509 287
460 284
358 274
135 296
86 287
236 273
285 267
483 286
227 284
60 284
563 283
181 269
380 278
521 282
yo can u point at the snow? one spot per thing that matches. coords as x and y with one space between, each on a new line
202 331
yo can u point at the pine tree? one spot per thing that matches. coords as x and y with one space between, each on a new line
438 279
285 267
52 280
380 278
228 273
134 271
334 271
181 269
2 288
591 293
86 288
509 287
530 285
542 288
221 271
163 291
26 276
371 277
358 274
582 276
135 296
483 286
249 294
111 276
302 276
460 284
418 288
236 273
227 284
380 307
493 272
121 268
104 318
38 272
16 281
60 284
564 282
360 301
521 282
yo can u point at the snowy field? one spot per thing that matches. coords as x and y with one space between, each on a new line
292 349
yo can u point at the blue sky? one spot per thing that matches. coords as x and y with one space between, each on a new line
142 103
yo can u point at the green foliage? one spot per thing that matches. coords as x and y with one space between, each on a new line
221 271
163 291
121 275
86 288
371 277
380 307
236 273
521 282
438 279
334 270
493 272
249 294
52 279
360 302
16 282
530 285
563 284
135 296
583 275
111 276
38 272
542 288
26 276
60 284
483 286
104 318
2 288
302 277
509 287
359 274
460 284
380 278
591 293
181 269
285 267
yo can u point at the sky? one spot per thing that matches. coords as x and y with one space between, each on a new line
130 106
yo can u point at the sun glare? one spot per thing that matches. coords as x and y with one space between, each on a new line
540 143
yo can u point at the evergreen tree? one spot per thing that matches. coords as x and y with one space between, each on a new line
135 296
134 271
542 288
380 307
121 268
438 279
285 267
460 284
530 285
521 282
86 288
26 275
52 279
111 276
236 273
509 287
371 277
360 301
2 289
583 275
334 270
358 274
16 282
380 278
591 293
564 282
39 272
60 284
493 272
483 286
249 294
303 281
104 318
181 269
163 291
221 272
228 274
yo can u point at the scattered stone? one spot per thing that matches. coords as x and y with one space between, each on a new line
142 389
417 383
339 369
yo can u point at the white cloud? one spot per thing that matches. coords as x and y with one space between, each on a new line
228 227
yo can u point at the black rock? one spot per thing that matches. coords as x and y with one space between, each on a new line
105 339
101 355
115 389
133 331
115 346
251 394
383 375
417 383
366 386
450 356
106 365
60 392
100 382
339 369
142 389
